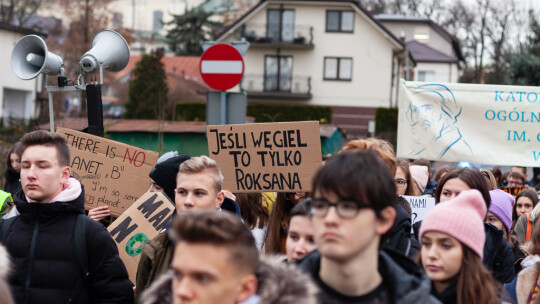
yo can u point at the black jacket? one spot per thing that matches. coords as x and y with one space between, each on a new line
402 278
498 255
13 181
46 269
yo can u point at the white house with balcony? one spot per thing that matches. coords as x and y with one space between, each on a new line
17 96
437 53
327 53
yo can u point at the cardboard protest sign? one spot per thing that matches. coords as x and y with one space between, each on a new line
113 174
266 156
483 124
138 224
420 206
513 191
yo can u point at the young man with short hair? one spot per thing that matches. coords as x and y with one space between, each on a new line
352 207
41 238
216 261
198 186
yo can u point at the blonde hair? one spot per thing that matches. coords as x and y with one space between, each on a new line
203 163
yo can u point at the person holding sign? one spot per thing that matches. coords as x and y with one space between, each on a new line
198 186
41 239
353 206
453 237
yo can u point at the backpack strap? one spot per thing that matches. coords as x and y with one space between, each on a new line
529 228
79 243
5 228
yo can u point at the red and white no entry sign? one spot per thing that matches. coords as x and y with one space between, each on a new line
222 66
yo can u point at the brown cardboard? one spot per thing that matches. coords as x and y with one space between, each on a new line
141 222
261 157
113 173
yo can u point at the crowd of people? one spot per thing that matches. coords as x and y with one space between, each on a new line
350 239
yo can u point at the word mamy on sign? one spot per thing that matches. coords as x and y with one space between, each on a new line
113 174
147 217
266 156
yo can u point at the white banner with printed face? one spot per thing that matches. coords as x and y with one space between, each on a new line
483 124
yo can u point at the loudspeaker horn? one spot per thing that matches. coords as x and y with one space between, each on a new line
109 49
30 57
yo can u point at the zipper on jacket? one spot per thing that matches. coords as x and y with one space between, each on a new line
31 260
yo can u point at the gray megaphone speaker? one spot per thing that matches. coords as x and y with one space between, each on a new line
109 49
30 57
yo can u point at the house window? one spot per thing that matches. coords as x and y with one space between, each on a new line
340 21
118 20
426 75
157 23
421 34
280 25
337 68
278 73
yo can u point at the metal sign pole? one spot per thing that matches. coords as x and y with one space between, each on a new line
223 108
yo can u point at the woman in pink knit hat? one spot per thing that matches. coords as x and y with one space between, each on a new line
452 236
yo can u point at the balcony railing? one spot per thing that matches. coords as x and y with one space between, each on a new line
261 86
299 36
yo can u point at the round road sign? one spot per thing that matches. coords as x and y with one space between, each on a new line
221 67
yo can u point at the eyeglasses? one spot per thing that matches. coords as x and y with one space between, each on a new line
400 182
345 209
515 183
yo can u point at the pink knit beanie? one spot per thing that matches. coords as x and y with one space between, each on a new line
420 175
461 218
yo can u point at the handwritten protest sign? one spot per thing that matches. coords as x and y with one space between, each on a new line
420 206
266 156
138 224
113 174
483 124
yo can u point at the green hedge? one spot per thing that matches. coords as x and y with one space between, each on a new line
261 112
386 120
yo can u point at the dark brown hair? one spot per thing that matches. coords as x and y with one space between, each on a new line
411 190
48 139
528 193
278 226
474 282
440 172
360 176
515 174
472 177
254 213
15 149
220 229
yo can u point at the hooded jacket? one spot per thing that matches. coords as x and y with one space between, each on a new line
277 283
45 266
157 254
520 229
404 280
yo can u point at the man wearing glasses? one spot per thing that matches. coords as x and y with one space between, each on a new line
353 205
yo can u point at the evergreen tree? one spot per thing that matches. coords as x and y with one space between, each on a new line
148 89
190 30
525 64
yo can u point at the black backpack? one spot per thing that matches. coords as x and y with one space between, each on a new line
79 241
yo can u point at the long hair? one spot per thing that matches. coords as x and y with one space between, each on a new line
254 213
528 193
277 229
474 282
14 149
472 177
404 165
535 238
